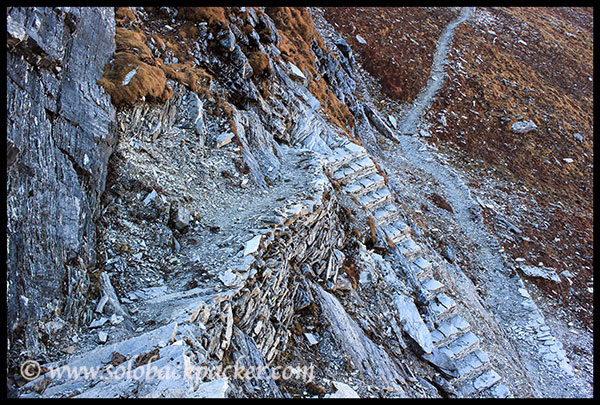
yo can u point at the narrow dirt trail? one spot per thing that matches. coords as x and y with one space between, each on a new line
410 122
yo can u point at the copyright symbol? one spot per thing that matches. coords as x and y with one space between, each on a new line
30 370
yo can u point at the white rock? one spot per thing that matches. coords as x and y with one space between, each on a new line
548 274
128 77
424 133
150 197
102 337
411 322
343 391
98 323
393 121
213 389
228 278
296 72
252 245
101 304
522 127
116 319
312 340
568 160
224 139
361 39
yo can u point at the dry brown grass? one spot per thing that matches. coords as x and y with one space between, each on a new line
148 82
197 79
135 41
124 15
371 223
211 15
260 63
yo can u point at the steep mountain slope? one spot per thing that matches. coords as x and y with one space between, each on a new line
265 227
508 65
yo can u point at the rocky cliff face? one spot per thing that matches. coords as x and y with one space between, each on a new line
59 138
242 208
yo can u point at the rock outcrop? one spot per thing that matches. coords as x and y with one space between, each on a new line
59 135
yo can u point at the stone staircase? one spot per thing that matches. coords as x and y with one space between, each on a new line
456 348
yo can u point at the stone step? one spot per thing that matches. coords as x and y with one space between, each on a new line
471 364
354 169
409 249
432 287
496 391
344 154
461 345
375 198
421 268
448 329
363 184
471 388
396 231
386 214
443 307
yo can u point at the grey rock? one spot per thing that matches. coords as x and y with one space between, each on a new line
181 217
545 273
102 337
343 390
378 122
366 356
223 139
227 40
522 127
412 324
59 161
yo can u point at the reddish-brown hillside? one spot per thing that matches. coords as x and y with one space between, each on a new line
506 65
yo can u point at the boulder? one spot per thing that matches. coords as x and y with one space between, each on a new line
522 127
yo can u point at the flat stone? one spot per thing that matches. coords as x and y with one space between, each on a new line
361 39
422 263
223 139
213 389
470 362
463 343
228 277
252 245
354 148
393 121
343 391
499 391
150 197
98 323
459 322
442 358
312 340
486 380
432 285
411 322
545 273
447 329
522 127
446 301
295 72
